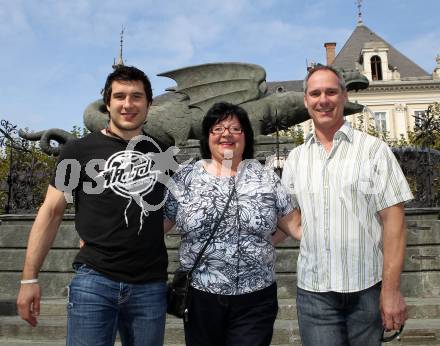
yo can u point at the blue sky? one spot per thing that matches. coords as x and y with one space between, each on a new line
56 54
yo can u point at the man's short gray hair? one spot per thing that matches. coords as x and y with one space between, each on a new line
341 80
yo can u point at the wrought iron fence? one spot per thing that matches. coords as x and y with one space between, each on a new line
25 172
421 167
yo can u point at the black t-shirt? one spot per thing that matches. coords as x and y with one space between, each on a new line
118 202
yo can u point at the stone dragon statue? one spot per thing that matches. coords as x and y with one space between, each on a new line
175 117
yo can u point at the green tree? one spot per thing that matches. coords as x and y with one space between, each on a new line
296 133
79 131
427 128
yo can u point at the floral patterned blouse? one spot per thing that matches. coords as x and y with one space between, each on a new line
240 258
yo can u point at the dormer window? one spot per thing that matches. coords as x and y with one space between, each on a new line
376 68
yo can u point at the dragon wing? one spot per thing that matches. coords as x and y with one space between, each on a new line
206 84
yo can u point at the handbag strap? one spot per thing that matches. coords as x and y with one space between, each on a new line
199 256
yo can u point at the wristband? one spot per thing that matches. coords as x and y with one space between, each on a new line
30 281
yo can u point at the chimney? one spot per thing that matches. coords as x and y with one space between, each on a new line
330 48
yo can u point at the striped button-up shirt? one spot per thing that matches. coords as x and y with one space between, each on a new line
340 194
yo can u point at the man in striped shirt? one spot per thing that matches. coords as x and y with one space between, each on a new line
350 190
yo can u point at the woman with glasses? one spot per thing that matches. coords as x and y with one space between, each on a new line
233 294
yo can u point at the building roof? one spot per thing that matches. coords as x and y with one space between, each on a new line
350 53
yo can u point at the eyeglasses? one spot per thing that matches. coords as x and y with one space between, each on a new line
390 336
233 130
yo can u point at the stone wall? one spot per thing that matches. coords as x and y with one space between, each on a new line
421 275
420 284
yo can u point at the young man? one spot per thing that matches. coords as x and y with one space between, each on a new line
350 190
120 280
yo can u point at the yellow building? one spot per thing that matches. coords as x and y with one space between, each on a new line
399 88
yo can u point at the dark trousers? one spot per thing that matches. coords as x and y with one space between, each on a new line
227 320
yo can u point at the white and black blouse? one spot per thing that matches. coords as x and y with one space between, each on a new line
240 258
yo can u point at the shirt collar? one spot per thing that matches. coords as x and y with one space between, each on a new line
345 132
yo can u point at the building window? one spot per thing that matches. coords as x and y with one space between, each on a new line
418 118
380 121
376 68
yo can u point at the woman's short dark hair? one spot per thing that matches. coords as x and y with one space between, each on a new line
219 112
126 74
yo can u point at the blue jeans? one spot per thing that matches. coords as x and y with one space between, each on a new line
98 307
339 319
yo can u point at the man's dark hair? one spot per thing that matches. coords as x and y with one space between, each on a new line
127 74
341 80
219 112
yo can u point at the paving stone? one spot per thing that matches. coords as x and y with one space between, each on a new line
16 235
18 342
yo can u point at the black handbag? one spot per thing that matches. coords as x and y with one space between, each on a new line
177 295
178 290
